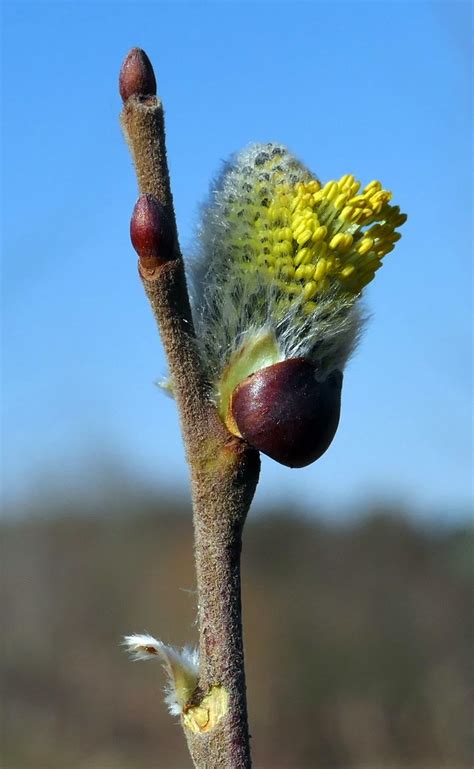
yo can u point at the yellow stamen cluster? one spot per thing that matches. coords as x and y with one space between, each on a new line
284 260
308 237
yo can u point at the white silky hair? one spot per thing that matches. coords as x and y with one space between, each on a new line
180 664
231 304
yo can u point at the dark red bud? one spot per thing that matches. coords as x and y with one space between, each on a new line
284 411
136 75
151 232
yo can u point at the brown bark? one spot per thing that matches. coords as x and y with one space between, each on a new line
224 469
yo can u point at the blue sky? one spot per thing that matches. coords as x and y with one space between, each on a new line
378 89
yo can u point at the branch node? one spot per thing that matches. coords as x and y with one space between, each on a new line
151 233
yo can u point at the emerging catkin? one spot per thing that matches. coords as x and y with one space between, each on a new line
281 264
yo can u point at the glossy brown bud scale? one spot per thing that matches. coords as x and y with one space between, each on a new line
136 75
285 412
151 232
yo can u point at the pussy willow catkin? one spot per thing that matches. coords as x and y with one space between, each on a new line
283 260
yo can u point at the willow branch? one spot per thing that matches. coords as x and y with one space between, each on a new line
224 469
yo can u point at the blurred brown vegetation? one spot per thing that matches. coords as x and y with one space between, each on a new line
357 638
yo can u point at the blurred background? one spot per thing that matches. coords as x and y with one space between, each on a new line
358 571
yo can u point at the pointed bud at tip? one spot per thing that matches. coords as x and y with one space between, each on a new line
285 412
136 75
151 233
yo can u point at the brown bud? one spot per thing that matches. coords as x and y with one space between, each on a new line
284 411
136 75
151 232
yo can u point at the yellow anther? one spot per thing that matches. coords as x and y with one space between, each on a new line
281 249
320 270
287 271
348 271
330 190
274 215
358 200
365 245
338 241
310 289
346 181
303 256
303 237
384 195
293 204
341 200
377 201
319 234
300 272
346 213
299 227
298 218
309 308
372 186
348 241
341 241
355 215
291 288
304 272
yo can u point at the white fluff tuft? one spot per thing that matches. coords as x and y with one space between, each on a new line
143 646
181 666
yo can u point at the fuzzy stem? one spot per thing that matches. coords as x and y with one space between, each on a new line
224 469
